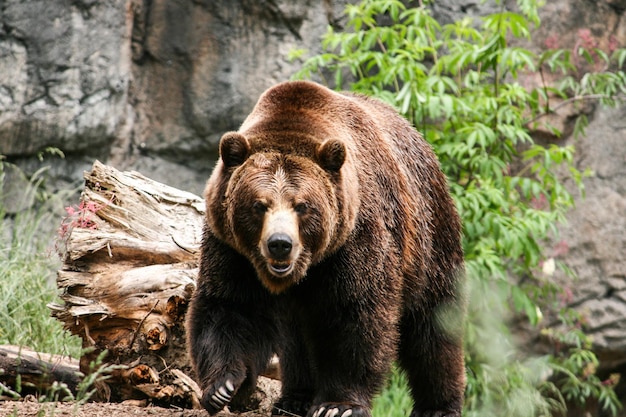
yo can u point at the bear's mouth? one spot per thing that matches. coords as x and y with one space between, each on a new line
279 268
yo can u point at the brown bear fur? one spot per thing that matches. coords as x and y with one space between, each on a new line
331 239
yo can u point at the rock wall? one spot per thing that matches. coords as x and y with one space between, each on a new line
148 85
64 75
593 245
151 85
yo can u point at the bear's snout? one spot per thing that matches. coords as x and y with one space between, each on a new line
279 245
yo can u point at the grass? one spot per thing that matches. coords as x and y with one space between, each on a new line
27 275
395 400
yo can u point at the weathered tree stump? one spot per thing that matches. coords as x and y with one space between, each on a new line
130 258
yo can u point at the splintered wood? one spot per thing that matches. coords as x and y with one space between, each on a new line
130 256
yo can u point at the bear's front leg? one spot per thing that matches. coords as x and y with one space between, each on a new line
352 339
228 348
350 367
230 327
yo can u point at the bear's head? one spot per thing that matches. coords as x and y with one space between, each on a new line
283 210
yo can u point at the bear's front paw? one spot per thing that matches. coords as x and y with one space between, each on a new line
218 395
338 410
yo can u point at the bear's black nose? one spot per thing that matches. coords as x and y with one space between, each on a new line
279 245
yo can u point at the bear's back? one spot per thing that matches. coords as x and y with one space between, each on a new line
435 225
398 175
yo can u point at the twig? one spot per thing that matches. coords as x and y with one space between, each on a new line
545 90
566 102
182 247
285 412
132 342
87 335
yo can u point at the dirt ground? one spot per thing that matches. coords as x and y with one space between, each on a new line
35 409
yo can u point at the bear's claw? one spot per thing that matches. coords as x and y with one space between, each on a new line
218 397
338 410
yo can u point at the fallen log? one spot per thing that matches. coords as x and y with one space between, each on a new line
36 371
130 254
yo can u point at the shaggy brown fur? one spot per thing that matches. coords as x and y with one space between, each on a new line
332 240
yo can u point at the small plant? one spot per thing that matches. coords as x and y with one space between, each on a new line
81 216
98 372
465 86
5 390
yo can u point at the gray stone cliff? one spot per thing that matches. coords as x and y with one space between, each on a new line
144 85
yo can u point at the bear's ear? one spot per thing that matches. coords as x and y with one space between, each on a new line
234 149
331 155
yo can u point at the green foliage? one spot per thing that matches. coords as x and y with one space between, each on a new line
27 268
98 372
395 400
467 87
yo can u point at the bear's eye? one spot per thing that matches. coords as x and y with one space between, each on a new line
259 207
301 208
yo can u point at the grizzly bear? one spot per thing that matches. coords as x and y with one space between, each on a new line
332 241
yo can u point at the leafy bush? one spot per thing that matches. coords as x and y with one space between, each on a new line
461 84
